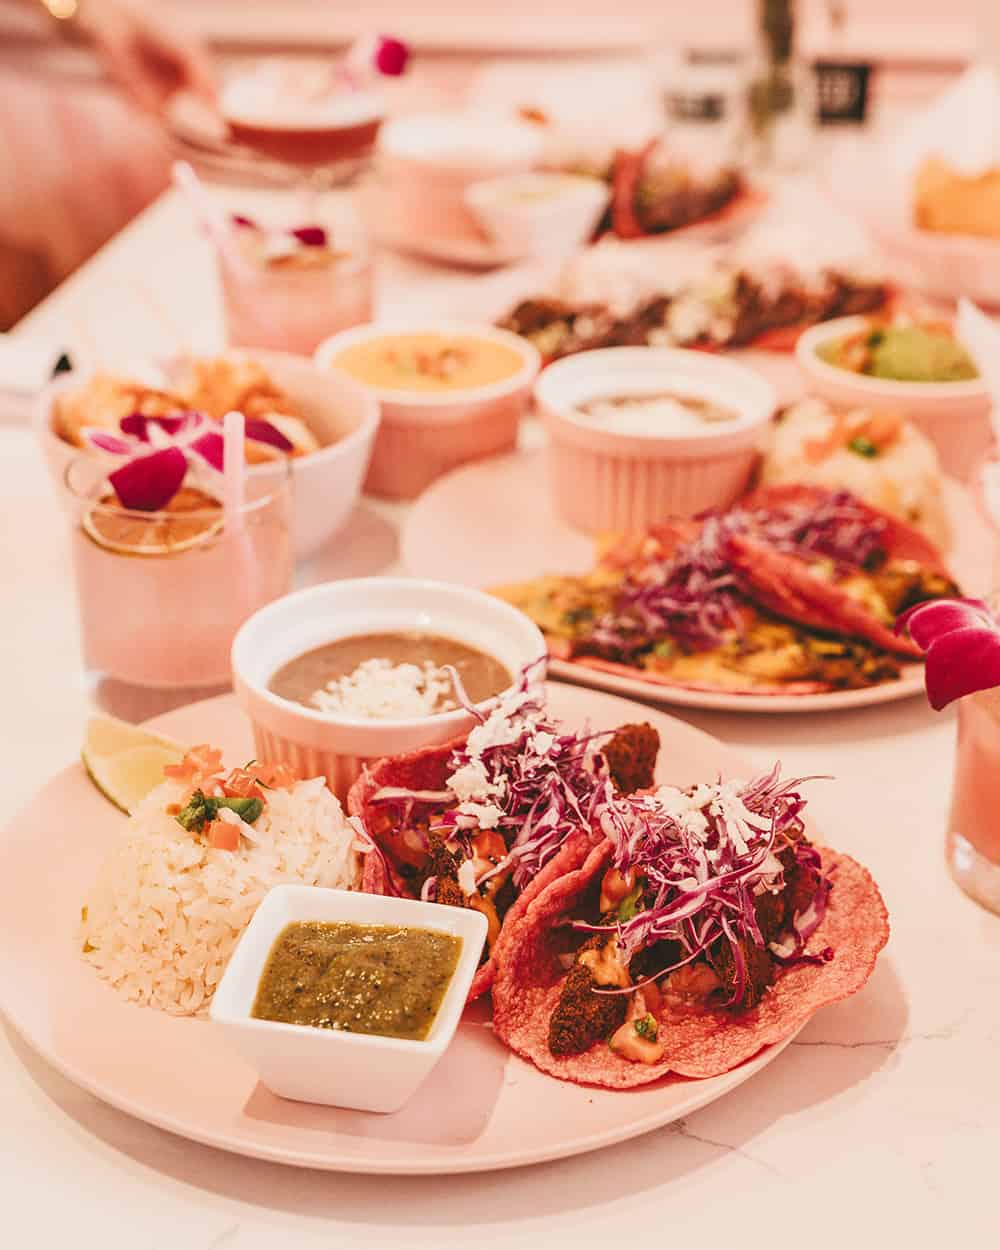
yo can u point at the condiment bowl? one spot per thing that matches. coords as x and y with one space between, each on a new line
326 483
362 1071
604 479
426 434
337 747
426 161
955 416
541 214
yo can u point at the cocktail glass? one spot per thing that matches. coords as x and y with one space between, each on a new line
162 594
293 305
973 843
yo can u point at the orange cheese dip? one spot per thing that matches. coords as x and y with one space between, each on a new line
431 363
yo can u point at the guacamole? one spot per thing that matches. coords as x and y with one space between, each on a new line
906 353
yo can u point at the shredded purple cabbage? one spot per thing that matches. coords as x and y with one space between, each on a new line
538 783
693 598
706 857
838 527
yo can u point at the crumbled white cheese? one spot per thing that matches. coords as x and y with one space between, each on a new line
470 782
541 743
486 815
380 690
467 877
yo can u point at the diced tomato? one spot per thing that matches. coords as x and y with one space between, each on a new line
222 836
199 765
277 776
256 779
883 428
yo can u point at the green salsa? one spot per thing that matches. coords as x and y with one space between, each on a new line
905 353
361 978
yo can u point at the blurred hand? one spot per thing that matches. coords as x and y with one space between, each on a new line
148 55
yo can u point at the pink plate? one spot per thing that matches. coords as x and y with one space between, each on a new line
179 1074
510 532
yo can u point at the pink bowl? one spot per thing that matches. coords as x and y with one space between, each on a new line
607 480
423 436
955 416
427 162
320 744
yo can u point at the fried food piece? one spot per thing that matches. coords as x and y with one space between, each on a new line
760 971
221 384
631 756
800 890
102 403
449 892
771 911
583 1017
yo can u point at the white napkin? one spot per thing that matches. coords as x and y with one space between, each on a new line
980 336
962 126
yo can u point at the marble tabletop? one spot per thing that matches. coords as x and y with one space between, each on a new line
876 1126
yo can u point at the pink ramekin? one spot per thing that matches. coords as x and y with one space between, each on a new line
955 416
423 436
607 480
426 162
321 744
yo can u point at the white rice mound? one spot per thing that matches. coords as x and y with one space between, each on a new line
904 480
167 910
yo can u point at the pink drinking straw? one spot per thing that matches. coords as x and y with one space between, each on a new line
218 229
233 470
233 504
207 212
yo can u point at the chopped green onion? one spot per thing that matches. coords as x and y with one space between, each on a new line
202 809
630 904
862 446
645 1026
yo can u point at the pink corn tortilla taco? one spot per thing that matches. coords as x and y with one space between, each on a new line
400 857
707 1043
784 583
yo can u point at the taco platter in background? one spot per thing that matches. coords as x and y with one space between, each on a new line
793 591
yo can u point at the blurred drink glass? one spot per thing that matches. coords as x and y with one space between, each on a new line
162 594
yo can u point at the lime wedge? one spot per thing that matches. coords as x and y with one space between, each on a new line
124 761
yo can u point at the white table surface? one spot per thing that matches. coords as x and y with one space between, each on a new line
878 1125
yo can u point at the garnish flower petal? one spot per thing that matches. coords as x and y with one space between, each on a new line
148 483
961 639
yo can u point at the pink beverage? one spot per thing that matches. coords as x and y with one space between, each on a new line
305 114
291 299
162 594
985 484
973 846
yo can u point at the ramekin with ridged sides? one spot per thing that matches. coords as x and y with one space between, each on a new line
606 479
425 434
324 744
